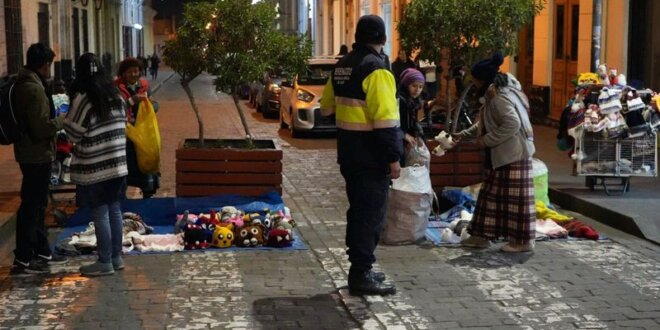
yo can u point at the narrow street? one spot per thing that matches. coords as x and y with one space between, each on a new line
563 285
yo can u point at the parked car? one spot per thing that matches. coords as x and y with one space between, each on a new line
267 96
300 106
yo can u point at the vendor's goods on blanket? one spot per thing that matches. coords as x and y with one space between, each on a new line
219 228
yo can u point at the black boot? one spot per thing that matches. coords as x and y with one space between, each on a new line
364 283
378 276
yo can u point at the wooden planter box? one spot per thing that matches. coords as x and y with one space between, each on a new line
459 167
228 169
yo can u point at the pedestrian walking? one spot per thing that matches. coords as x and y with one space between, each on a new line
401 63
96 124
155 62
410 102
34 152
362 94
505 205
134 90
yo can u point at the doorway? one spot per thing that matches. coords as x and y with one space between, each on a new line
565 54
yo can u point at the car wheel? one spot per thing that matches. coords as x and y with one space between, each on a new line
283 125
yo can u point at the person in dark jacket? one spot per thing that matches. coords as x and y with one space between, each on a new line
410 102
402 63
135 89
34 152
362 94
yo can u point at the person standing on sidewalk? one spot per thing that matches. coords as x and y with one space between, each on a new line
96 124
34 152
362 94
505 205
134 90
155 62
402 63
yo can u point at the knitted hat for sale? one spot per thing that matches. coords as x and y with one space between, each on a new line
485 70
370 30
411 75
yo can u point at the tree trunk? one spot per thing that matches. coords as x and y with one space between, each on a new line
200 124
248 136
448 114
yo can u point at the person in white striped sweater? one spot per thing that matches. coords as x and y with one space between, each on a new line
96 124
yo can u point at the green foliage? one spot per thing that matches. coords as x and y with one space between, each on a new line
187 54
467 30
236 41
245 44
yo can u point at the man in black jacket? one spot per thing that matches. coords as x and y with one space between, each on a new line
362 94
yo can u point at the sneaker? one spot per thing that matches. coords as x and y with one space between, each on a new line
33 267
364 284
476 242
118 263
517 248
97 269
53 259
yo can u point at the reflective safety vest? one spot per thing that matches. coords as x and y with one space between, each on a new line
362 95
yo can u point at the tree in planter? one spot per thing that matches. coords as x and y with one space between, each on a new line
236 41
464 31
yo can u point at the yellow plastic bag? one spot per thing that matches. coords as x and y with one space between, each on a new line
146 137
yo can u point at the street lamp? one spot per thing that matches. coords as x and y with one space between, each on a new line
98 4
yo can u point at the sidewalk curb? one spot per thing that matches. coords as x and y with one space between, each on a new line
160 84
598 213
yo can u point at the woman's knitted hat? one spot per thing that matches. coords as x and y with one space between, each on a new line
485 70
411 75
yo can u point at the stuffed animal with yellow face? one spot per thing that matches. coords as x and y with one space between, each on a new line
223 237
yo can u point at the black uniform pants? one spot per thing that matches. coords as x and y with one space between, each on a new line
367 197
31 233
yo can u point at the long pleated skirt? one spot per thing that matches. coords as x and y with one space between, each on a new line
505 205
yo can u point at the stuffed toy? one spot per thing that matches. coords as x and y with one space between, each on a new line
223 237
235 219
613 77
279 238
283 221
588 78
229 212
195 238
208 222
602 75
182 220
445 143
250 235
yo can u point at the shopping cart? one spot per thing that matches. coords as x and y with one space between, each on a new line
612 162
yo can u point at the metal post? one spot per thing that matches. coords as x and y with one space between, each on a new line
597 23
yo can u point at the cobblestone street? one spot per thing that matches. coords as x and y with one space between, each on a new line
563 285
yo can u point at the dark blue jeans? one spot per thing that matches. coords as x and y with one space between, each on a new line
31 234
367 197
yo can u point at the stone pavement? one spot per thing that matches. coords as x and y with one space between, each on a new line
563 285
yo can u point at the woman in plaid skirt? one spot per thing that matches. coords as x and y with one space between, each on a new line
505 206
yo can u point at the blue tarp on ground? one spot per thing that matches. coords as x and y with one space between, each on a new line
160 213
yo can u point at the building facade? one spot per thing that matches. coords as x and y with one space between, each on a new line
72 28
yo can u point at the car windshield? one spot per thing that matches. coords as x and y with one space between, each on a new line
316 74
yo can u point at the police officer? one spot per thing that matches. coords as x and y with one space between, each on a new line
362 94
